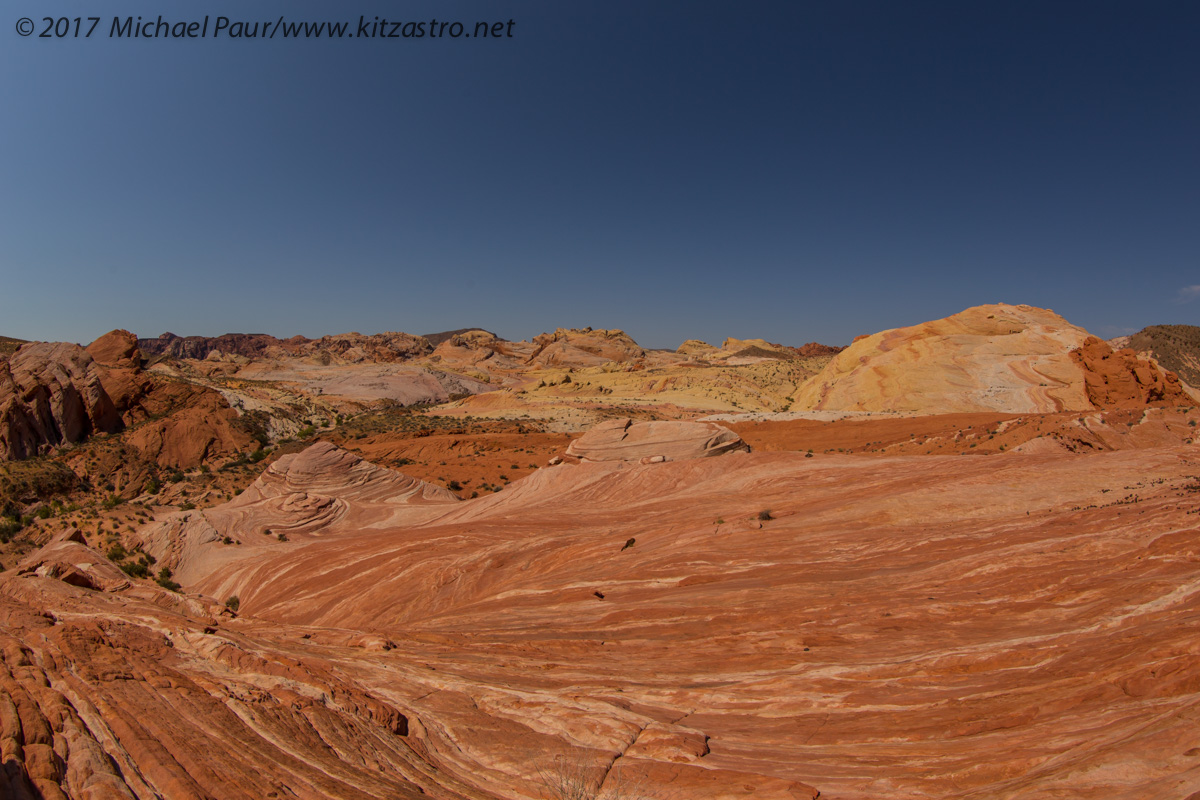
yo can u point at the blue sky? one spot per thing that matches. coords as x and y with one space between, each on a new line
790 170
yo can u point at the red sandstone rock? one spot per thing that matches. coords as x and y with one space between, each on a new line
50 394
900 627
1121 379
68 559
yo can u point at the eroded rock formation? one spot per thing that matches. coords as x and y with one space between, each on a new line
1011 359
626 440
50 394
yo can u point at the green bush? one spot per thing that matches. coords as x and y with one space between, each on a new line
164 580
8 529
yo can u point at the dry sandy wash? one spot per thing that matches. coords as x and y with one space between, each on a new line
913 627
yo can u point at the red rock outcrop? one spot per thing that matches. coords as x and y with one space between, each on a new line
68 558
50 394
121 372
182 425
626 440
1121 379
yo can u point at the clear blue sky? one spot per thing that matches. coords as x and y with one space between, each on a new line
796 171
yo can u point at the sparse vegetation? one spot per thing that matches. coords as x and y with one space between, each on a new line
233 603
164 580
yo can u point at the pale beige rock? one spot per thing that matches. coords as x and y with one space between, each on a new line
1014 359
653 442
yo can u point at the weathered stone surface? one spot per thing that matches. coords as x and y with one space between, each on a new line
342 348
298 497
652 442
584 347
50 394
1119 379
68 558
1012 359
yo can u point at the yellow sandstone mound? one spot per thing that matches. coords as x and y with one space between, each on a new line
1012 359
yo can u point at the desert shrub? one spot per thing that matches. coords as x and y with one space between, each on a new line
8 529
117 552
283 537
765 515
233 603
136 569
164 580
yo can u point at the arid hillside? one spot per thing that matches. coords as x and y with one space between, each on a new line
1175 347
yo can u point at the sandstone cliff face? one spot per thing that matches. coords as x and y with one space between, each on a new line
1012 359
50 394
174 424
121 372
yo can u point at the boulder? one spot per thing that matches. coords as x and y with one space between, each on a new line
654 442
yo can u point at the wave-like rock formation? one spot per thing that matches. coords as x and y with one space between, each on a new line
50 394
959 628
300 496
626 440
1012 359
